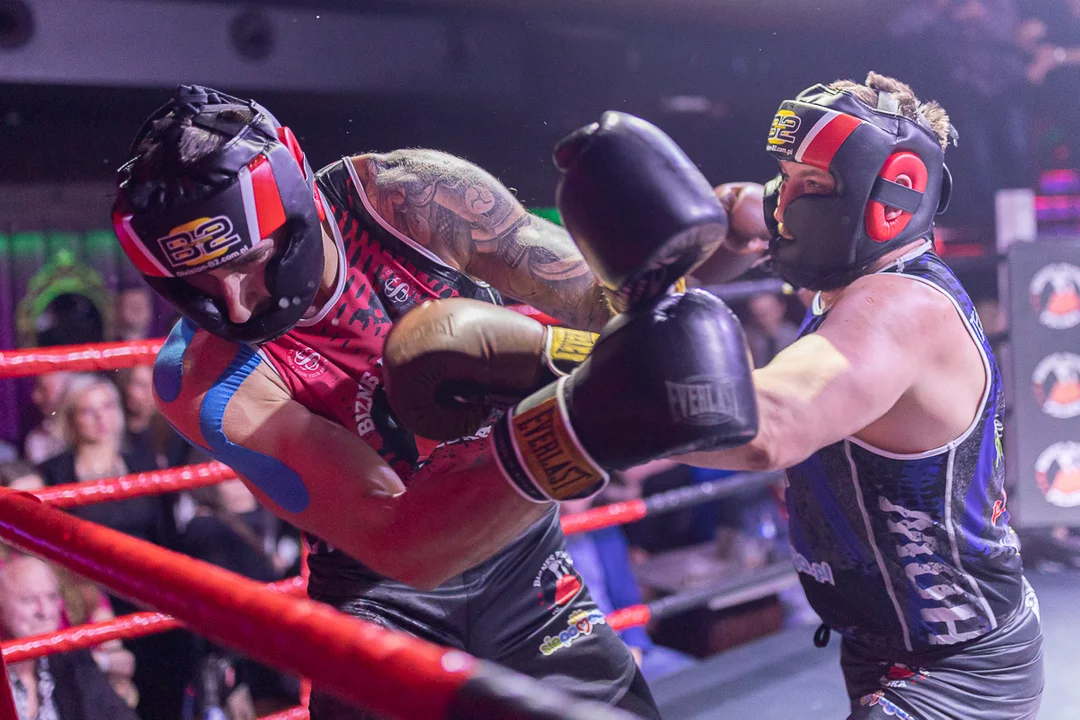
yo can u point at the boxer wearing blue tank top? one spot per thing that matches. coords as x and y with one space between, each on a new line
886 413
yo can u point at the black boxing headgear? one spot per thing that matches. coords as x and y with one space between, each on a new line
838 236
224 206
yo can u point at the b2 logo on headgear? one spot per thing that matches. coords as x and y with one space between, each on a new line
783 129
198 242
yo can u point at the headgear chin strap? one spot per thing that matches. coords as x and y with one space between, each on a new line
257 183
839 236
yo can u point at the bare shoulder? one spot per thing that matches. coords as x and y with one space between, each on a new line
405 165
440 201
895 303
475 224
192 363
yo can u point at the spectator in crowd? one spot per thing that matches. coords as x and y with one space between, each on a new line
46 441
231 530
92 421
987 47
148 435
769 331
145 429
217 693
134 312
20 475
1052 39
68 686
84 602
70 319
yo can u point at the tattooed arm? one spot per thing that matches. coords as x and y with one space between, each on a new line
475 224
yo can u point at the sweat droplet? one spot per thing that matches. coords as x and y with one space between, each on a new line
283 303
296 301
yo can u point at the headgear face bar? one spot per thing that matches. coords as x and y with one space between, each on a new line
256 184
839 235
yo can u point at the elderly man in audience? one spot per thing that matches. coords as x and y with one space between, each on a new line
69 686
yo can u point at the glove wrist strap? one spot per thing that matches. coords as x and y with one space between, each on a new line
539 453
566 348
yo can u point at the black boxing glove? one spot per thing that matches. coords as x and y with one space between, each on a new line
639 210
668 378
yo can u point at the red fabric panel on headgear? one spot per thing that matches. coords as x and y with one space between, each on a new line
288 139
270 211
822 143
133 246
285 135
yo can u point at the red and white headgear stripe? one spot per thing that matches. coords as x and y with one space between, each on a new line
262 199
140 255
826 136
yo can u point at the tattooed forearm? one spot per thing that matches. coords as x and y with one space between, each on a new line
473 222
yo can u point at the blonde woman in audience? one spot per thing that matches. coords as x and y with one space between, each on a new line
92 421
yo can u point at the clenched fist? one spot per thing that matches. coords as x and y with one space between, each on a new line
747 233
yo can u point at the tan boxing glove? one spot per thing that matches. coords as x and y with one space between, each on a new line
449 364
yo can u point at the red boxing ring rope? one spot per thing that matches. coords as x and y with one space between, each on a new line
83 637
384 671
92 357
605 516
296 713
134 485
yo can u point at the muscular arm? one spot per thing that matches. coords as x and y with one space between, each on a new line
875 343
475 224
324 479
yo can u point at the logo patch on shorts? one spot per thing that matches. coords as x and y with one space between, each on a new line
580 624
898 675
878 698
557 583
1031 600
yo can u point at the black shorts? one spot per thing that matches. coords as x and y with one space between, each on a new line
525 608
996 677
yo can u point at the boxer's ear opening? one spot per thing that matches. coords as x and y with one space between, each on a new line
892 213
